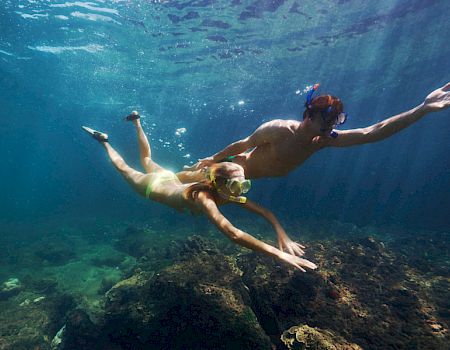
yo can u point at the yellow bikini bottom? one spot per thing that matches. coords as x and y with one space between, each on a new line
158 178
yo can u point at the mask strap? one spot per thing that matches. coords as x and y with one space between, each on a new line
210 176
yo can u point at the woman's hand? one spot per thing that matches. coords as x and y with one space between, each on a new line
297 262
439 99
288 245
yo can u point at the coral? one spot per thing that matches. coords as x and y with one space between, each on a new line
10 288
308 338
362 291
365 294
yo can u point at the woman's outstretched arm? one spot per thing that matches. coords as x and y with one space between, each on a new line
284 242
242 238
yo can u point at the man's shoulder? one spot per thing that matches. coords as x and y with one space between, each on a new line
281 123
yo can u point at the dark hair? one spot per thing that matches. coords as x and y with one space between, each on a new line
321 103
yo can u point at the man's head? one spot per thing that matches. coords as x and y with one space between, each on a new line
324 111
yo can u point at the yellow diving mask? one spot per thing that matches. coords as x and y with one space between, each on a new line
237 186
234 185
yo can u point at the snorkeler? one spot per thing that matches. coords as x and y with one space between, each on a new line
279 146
220 184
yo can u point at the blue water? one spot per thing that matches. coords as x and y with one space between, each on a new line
205 73
219 69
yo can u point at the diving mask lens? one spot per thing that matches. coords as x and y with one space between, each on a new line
246 185
341 118
238 187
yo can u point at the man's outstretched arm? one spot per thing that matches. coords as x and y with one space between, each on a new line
435 101
263 134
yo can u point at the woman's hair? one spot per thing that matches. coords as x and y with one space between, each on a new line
321 103
221 171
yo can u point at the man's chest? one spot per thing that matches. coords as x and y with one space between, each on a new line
289 151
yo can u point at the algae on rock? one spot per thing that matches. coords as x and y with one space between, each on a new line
305 337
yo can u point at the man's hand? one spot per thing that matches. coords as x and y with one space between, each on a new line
438 100
201 163
297 262
288 245
204 162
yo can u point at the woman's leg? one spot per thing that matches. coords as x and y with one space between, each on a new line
136 179
144 149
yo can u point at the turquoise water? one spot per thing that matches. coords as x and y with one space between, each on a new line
204 73
220 69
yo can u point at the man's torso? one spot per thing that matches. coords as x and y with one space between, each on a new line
282 154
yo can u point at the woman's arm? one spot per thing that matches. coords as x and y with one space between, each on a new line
284 242
242 238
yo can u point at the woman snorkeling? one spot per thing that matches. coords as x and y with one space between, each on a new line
223 183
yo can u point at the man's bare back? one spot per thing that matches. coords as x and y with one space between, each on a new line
279 146
282 152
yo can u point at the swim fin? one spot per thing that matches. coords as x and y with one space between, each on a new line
133 116
99 136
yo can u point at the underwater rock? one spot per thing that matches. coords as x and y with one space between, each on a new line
109 261
192 246
198 302
106 284
78 333
308 338
10 288
361 291
55 253
135 242
177 307
363 295
40 285
28 321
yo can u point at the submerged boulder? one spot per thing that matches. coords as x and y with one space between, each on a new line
362 292
363 295
308 338
10 288
55 252
199 303
78 333
29 321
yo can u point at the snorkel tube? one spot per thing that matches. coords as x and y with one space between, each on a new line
310 95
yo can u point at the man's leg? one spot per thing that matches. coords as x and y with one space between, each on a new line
144 149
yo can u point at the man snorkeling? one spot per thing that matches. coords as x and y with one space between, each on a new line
279 146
